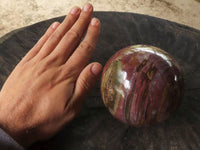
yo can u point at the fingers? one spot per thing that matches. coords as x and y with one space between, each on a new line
83 53
84 83
41 42
72 38
55 38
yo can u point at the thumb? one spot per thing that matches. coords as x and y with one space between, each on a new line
85 82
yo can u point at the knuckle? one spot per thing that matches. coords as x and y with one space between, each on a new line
69 73
56 36
46 35
69 19
89 47
74 34
51 60
42 67
39 72
85 84
84 18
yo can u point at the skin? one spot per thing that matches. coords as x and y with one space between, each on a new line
46 89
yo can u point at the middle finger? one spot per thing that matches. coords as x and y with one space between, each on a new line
72 38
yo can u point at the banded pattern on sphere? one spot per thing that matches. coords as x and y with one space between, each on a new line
141 85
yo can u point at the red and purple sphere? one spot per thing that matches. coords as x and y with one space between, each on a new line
141 85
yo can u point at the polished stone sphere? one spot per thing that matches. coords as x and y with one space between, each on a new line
141 85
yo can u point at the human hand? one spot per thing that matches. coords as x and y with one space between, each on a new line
47 88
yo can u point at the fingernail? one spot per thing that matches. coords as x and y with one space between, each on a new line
87 7
96 69
74 10
94 21
55 25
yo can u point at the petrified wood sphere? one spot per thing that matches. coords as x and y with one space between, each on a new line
141 85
